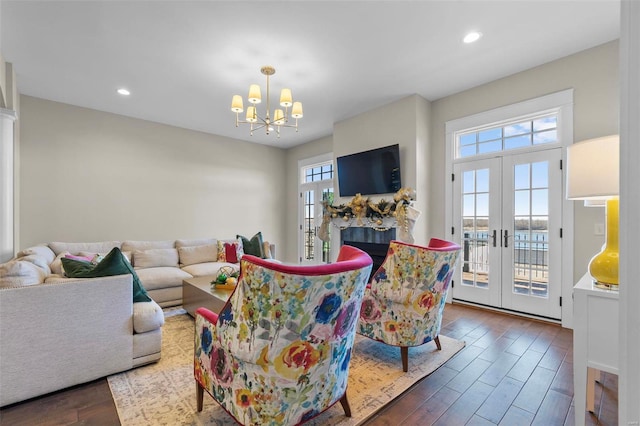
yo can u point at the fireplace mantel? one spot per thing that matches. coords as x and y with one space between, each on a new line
404 232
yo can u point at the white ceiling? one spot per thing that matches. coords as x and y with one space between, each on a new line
183 60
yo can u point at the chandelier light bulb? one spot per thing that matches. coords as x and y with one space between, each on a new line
254 94
278 117
251 114
285 98
296 111
236 104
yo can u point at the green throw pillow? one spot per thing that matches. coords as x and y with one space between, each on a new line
113 263
253 246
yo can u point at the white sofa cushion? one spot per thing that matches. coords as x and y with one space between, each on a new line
146 245
43 251
208 268
154 258
198 254
162 277
17 273
56 278
195 242
76 248
147 316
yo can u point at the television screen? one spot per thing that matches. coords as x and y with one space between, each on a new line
370 172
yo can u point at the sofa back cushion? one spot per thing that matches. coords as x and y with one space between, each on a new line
76 248
196 242
155 257
198 254
147 245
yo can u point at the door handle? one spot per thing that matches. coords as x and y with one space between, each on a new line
506 236
493 237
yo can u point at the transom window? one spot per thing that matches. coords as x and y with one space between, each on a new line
318 172
514 135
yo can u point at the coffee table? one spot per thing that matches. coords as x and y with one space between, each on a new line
197 292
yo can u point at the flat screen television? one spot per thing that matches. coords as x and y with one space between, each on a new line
370 172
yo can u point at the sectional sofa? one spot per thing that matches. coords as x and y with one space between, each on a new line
57 332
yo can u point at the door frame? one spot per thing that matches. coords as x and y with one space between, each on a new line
302 164
560 103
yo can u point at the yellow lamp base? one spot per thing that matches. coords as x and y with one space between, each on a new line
604 265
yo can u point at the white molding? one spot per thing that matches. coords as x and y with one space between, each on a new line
498 115
8 113
7 184
629 346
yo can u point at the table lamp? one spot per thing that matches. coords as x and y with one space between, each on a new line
593 175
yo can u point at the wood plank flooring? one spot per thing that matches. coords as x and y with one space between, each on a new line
513 371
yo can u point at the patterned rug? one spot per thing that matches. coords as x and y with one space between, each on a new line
164 393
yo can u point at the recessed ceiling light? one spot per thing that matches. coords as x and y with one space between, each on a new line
471 37
124 92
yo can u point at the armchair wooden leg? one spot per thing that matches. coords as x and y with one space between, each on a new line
437 340
199 396
345 405
404 354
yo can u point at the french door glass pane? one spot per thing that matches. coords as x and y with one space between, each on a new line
309 224
531 229
537 131
475 226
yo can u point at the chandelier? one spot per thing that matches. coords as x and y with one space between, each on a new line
280 117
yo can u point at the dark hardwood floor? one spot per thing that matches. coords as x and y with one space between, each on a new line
513 371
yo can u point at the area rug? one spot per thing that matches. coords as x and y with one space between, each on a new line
164 393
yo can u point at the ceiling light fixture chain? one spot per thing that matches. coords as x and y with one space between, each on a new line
280 117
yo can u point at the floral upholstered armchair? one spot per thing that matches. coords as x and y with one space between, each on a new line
279 352
403 305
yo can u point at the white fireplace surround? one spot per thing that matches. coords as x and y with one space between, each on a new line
403 233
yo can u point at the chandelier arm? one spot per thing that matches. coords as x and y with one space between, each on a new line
268 100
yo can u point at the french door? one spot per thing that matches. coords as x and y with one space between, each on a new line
507 218
312 249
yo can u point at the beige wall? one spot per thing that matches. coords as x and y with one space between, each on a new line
91 176
405 122
593 74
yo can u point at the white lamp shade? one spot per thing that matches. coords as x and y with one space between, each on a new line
236 104
593 169
278 117
285 98
251 114
254 94
296 111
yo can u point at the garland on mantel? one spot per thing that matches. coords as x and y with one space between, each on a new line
361 209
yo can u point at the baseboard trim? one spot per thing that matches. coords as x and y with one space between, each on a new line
508 311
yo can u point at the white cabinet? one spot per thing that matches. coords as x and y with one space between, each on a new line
595 340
